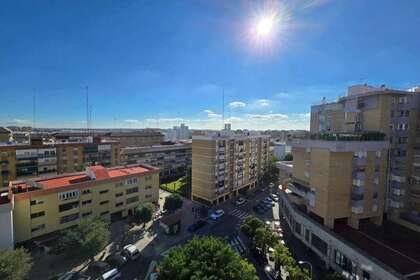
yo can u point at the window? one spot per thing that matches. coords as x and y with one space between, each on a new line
36 202
132 181
68 195
38 228
298 228
86 191
148 196
87 202
87 214
103 191
378 154
148 187
340 259
37 214
104 213
118 194
119 184
68 206
360 154
403 100
365 275
132 199
320 244
306 174
307 234
103 202
69 218
119 204
402 140
132 190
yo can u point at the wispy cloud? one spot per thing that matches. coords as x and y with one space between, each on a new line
268 117
212 114
263 102
282 95
237 104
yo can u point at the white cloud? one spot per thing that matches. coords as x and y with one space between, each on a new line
282 95
263 102
212 114
131 121
303 115
237 104
268 117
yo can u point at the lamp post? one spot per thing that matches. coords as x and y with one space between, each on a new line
308 263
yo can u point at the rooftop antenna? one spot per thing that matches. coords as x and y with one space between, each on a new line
34 110
87 110
223 108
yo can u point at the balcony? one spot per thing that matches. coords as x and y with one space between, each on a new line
398 190
298 189
359 175
396 204
357 206
358 190
355 197
359 161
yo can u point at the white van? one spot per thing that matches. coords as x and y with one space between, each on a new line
131 251
112 274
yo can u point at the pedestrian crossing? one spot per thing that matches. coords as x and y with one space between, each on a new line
241 215
237 245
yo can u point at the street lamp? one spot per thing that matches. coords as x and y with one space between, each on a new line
308 263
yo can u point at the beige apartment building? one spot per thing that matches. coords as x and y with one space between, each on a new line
339 180
32 208
225 163
396 114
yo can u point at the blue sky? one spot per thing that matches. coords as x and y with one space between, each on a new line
160 63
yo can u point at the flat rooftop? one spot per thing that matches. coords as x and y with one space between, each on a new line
93 173
393 245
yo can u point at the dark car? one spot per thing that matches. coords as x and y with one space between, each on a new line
197 225
116 260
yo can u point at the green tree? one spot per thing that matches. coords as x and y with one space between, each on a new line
282 257
186 181
288 157
206 258
173 202
264 238
143 213
250 226
271 174
15 264
86 240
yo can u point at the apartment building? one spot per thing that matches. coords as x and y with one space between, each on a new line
340 179
172 159
39 158
396 114
47 205
4 134
225 163
138 138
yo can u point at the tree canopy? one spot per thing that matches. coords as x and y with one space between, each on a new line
173 202
206 258
87 239
144 213
271 175
288 157
14 264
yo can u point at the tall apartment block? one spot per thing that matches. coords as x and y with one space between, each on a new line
396 114
225 163
171 159
33 208
39 158
340 179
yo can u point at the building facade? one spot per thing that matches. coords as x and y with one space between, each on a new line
396 114
138 138
225 163
37 158
340 180
47 205
4 134
172 159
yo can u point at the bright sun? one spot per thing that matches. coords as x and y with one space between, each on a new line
265 26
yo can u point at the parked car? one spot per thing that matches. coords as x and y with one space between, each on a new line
240 201
131 251
274 197
217 214
116 260
197 225
112 274
259 209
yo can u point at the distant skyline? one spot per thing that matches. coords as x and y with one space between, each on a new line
161 63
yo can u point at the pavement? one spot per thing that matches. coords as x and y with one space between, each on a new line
152 241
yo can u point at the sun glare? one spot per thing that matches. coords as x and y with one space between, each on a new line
265 26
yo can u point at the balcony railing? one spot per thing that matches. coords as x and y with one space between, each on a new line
359 161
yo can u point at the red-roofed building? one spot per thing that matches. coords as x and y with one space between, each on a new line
46 205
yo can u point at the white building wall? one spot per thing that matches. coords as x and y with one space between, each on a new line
6 227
